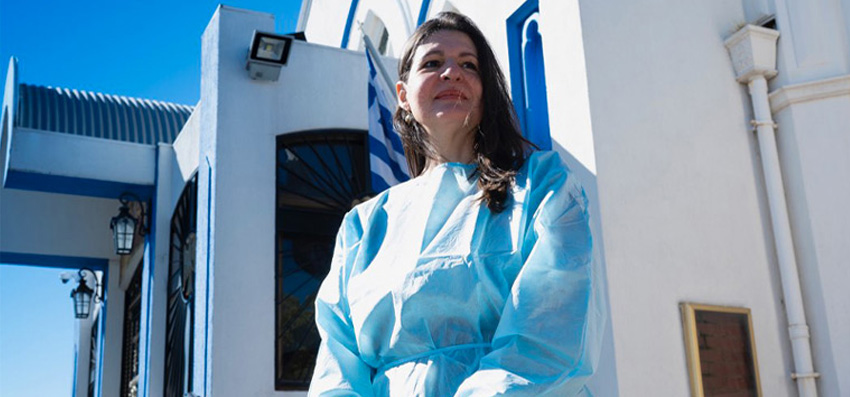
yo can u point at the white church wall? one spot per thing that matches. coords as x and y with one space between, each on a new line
59 154
398 17
327 19
569 105
82 350
334 13
155 280
113 331
679 187
238 127
320 87
185 156
814 41
59 225
813 144
56 224
177 163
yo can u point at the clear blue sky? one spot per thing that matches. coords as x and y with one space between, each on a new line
149 49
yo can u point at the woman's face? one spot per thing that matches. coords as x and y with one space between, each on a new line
443 88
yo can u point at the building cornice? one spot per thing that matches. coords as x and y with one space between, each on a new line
809 91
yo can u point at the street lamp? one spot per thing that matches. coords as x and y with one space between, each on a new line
124 224
84 296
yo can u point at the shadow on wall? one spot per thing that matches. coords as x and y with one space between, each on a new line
604 382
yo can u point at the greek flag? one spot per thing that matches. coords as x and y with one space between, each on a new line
386 155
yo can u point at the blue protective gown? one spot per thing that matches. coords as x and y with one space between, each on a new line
431 294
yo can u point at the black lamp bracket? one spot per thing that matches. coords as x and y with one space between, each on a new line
97 291
126 198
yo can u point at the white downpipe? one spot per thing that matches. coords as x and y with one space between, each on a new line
795 312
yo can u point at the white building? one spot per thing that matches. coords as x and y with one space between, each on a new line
696 216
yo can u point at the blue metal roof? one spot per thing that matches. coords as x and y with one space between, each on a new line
99 115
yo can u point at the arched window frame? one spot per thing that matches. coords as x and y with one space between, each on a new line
330 176
180 309
516 29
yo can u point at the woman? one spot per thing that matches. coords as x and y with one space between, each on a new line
475 277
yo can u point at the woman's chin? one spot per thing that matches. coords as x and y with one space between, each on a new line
456 116
451 124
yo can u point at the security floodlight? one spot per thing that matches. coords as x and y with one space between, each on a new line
268 53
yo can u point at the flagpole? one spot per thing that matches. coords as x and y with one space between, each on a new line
377 58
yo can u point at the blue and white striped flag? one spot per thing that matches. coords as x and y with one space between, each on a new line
386 155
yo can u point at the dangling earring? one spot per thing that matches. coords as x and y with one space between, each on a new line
408 117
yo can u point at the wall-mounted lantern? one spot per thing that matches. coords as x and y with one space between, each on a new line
83 296
267 54
124 224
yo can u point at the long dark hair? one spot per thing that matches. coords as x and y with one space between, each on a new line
499 147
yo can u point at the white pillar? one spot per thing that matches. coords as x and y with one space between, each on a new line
753 51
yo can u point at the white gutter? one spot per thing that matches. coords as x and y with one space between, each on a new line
753 51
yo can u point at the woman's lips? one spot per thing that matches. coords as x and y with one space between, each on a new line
450 94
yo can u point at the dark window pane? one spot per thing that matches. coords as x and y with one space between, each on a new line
725 354
179 332
132 316
320 175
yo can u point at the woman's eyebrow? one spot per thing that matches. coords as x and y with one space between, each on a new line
441 53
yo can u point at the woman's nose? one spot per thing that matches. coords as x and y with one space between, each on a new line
451 72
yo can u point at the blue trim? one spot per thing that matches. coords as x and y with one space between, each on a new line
348 21
537 108
209 269
55 261
147 268
74 376
150 253
515 24
423 12
73 185
101 324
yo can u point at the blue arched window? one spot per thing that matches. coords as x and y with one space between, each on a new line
528 74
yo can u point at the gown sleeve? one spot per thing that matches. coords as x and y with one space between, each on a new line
548 339
339 369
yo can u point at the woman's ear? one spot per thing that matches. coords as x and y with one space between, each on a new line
401 91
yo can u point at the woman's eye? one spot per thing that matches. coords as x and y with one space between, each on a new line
430 64
470 66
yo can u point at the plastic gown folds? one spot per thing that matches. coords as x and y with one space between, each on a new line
431 294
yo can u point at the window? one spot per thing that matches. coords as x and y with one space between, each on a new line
179 330
720 350
376 30
321 175
528 75
130 349
93 356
